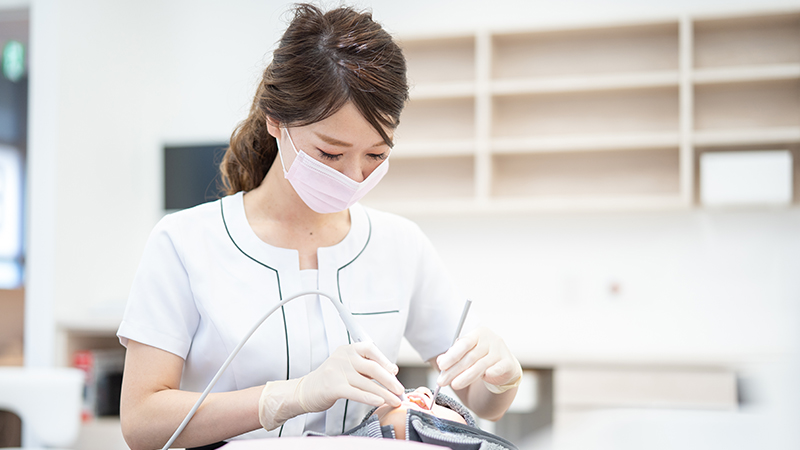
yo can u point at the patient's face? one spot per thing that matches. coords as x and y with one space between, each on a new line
419 399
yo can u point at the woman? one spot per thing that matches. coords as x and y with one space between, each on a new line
318 137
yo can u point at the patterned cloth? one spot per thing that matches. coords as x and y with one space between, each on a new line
423 427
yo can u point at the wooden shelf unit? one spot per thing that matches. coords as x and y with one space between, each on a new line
602 117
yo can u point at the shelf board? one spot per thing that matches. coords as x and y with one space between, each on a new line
433 148
100 325
417 206
426 91
636 141
629 141
535 205
746 73
640 80
573 204
747 137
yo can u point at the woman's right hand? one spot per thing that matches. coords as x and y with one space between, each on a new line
350 372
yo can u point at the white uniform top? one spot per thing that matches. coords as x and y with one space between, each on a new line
205 278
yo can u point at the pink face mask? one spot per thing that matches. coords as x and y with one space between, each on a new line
323 188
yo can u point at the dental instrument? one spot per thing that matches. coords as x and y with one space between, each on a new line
455 338
357 334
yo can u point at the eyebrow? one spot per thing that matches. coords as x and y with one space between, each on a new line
338 143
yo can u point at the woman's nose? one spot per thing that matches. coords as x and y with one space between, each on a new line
356 171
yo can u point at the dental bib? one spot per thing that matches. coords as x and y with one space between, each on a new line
423 427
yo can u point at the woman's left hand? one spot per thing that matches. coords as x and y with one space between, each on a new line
478 355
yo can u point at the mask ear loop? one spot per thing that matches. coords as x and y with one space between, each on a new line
280 154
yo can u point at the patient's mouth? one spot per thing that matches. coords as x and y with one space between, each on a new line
419 401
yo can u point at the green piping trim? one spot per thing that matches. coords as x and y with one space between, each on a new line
339 291
280 295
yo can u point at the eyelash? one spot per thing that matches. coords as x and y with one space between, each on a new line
332 157
329 156
378 156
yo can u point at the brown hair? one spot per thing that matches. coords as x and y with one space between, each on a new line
322 61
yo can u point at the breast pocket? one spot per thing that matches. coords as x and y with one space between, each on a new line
384 322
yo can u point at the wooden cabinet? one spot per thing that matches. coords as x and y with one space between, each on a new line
12 315
608 117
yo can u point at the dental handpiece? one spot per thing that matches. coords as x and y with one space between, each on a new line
357 334
455 338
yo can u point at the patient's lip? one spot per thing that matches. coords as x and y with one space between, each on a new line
418 400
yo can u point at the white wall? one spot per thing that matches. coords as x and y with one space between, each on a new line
693 287
112 82
115 81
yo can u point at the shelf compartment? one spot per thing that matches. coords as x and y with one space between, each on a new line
746 73
760 40
437 119
792 146
597 142
624 173
590 113
644 48
621 81
440 60
743 106
75 340
426 179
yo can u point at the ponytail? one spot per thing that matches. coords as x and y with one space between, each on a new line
251 152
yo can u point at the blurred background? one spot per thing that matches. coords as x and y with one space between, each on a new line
611 181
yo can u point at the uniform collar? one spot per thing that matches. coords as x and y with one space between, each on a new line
283 259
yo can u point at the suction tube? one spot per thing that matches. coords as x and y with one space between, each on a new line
357 334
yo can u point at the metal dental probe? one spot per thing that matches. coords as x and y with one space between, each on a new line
455 338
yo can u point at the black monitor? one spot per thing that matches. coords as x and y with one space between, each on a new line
191 175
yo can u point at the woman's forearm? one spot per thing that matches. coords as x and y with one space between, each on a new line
485 404
150 422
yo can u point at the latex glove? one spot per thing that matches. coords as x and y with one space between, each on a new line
348 373
479 355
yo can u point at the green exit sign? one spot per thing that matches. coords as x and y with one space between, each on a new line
13 60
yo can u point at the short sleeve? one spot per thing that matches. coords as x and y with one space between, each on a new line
161 311
435 304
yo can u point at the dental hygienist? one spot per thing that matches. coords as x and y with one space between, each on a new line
317 138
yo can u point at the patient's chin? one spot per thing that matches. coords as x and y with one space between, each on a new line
447 413
397 416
